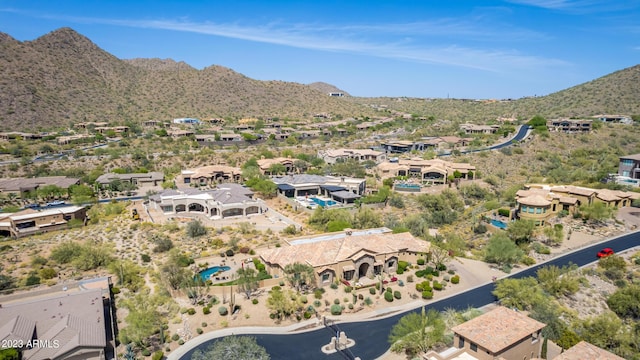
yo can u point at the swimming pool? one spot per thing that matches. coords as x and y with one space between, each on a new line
323 203
499 224
407 187
206 274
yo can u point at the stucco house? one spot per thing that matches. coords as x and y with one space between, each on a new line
208 175
332 156
138 179
31 222
435 171
341 189
500 333
349 255
225 201
539 202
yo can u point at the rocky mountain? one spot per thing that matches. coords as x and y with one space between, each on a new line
63 77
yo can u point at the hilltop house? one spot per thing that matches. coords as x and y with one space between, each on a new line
21 186
629 170
208 175
569 125
539 202
350 255
332 156
479 129
138 179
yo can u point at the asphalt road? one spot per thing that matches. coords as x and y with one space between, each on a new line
371 336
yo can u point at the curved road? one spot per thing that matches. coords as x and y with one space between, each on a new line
522 133
371 335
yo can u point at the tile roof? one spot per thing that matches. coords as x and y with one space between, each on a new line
498 329
586 351
15 184
334 250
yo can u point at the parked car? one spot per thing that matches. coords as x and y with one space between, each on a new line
605 252
56 203
32 206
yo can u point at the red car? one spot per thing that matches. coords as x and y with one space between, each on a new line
605 252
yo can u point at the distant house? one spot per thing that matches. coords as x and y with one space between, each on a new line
337 94
209 175
479 129
31 222
115 129
332 156
173 132
623 119
569 125
86 125
225 201
70 139
65 324
402 146
186 121
231 137
629 168
435 171
266 164
139 179
20 186
19 135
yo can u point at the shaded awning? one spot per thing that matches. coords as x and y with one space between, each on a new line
285 187
345 195
348 268
332 188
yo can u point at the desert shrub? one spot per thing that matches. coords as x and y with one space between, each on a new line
146 352
420 261
254 301
402 265
437 285
199 331
410 278
336 309
175 337
206 310
336 301
541 249
350 306
303 299
372 291
229 253
441 267
244 250
400 271
158 355
397 295
47 273
317 293
204 324
145 258
455 279
334 286
368 301
427 295
528 260
222 310
504 212
191 311
115 290
388 296
195 229
348 289
307 315
317 303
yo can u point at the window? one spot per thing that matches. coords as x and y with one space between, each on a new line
531 210
460 343
523 209
473 347
627 162
325 278
554 207
538 210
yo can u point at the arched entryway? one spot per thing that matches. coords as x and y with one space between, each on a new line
252 210
196 207
363 270
180 208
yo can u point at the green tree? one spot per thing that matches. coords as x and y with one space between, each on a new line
174 275
520 231
232 348
143 320
6 282
553 234
247 280
625 302
603 331
277 169
66 252
366 218
597 212
9 354
300 275
195 229
551 314
416 333
501 250
82 194
281 302
522 294
559 281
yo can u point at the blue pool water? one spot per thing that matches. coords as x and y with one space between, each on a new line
499 224
407 187
323 203
205 274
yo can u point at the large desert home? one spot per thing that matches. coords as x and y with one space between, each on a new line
209 175
539 203
320 190
356 256
332 156
225 201
30 222
435 171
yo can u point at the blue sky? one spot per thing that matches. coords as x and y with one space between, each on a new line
458 49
